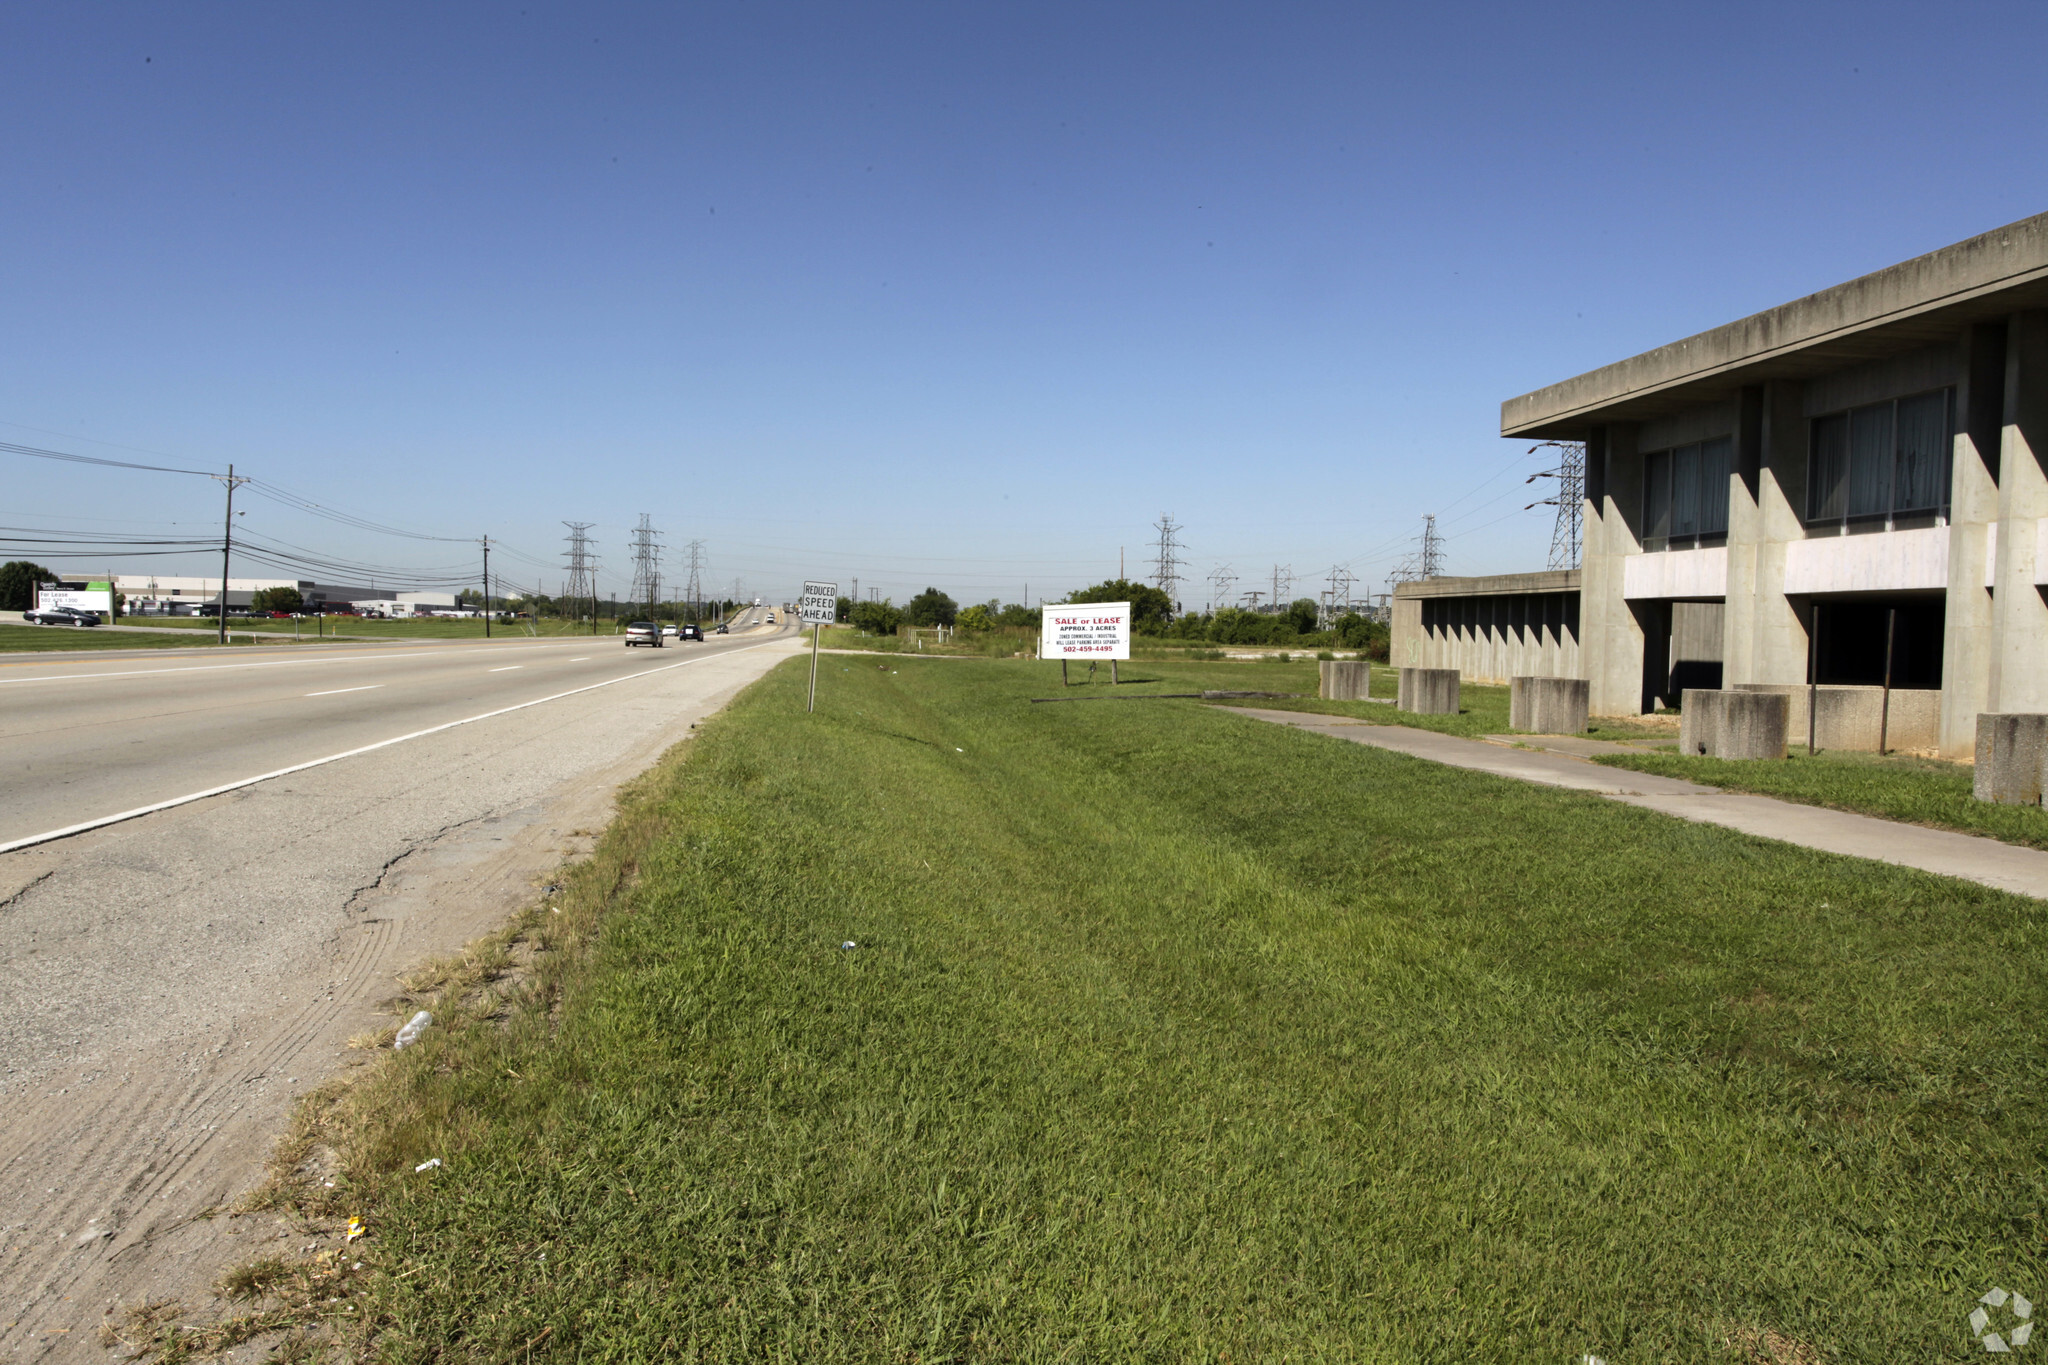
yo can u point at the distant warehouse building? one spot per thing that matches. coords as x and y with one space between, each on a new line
1768 501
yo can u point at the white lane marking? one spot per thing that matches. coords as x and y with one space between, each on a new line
584 660
335 692
84 825
268 663
506 669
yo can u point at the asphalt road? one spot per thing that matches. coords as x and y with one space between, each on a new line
92 736
171 983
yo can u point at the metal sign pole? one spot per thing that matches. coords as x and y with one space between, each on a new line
812 705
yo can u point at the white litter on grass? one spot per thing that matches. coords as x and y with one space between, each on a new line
429 1164
958 750
413 1029
849 944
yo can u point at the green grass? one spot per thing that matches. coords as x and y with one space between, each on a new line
1173 1036
15 639
1916 790
358 628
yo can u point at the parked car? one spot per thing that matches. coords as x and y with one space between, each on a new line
692 631
61 616
643 633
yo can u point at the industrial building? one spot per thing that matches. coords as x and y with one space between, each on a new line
1792 497
169 594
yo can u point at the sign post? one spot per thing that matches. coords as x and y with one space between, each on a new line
817 608
1087 630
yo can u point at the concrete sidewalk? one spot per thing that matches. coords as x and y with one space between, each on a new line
2006 867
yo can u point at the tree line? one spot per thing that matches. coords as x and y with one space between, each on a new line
1152 615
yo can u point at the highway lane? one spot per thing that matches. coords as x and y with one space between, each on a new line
87 736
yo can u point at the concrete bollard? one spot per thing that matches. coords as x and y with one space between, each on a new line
1428 691
1733 724
1548 706
1346 681
2010 751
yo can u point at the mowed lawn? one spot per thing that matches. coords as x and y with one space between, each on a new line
18 638
1170 1035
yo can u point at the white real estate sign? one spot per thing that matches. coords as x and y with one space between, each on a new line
86 600
1091 630
819 605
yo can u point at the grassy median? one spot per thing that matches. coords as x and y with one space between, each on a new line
31 639
1170 1035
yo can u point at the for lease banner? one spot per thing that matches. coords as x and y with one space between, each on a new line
1092 630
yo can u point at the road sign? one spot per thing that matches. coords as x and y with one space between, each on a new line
819 605
817 608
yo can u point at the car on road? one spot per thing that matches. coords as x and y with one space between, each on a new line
668 630
771 618
643 633
692 631
61 616
722 630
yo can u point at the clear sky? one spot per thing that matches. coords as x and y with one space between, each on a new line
966 294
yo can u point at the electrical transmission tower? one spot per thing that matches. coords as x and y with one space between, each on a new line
646 564
694 594
1337 598
1166 564
1283 583
1219 587
582 584
1432 564
1570 500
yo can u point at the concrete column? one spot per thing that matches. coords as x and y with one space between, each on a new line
1745 533
1612 639
1775 651
2019 617
1973 510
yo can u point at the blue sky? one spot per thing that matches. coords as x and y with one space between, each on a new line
965 295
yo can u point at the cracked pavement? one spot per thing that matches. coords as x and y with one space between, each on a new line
171 984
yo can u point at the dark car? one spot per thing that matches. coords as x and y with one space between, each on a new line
722 630
61 616
691 631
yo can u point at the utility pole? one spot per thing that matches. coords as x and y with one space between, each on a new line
487 587
227 545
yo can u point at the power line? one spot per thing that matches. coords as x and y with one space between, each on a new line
39 453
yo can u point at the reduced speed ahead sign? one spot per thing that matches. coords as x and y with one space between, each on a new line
819 605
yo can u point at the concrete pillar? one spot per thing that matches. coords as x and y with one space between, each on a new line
1345 680
2019 616
1428 691
1772 627
1548 706
2010 752
1733 724
1611 637
1746 533
1973 510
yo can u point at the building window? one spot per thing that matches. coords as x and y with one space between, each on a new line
1883 460
1685 495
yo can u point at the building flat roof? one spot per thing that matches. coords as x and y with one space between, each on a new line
1900 308
1543 580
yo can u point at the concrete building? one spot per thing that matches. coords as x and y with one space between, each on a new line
1766 501
171 593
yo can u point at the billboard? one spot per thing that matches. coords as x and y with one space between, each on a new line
1085 630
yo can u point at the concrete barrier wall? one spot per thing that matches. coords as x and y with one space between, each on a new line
1847 717
1548 706
2012 750
1429 691
1344 680
1727 724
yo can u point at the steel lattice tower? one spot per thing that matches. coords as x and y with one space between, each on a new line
1567 531
1166 563
1432 564
1219 587
582 556
646 563
695 593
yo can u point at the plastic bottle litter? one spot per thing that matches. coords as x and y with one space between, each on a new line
429 1164
413 1029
